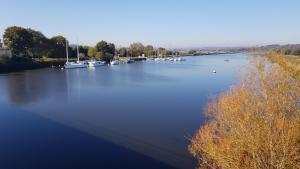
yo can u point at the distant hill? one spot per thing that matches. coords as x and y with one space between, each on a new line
293 49
276 46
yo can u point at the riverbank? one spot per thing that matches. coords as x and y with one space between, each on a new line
199 53
290 63
44 62
16 66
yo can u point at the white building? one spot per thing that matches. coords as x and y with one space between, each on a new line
4 52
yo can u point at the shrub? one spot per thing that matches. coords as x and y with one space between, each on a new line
256 124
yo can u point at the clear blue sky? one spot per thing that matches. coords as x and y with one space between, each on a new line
167 23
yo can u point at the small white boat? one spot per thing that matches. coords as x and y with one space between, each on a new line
73 65
150 58
114 62
179 59
214 71
95 63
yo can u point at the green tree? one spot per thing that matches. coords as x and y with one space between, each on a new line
92 52
122 52
59 40
99 55
192 52
18 40
102 46
41 44
161 52
83 50
136 49
107 50
58 44
107 57
111 49
149 50
169 52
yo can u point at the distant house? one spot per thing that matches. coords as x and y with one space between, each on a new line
4 52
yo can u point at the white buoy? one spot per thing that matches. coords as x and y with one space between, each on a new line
214 71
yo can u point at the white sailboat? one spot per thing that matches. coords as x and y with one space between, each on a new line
114 62
95 63
73 65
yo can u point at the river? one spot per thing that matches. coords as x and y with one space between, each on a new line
138 115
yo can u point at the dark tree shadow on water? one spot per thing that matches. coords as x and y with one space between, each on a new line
32 142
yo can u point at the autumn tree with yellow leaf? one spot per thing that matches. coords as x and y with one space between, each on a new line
256 124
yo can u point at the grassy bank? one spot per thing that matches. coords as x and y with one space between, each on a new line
290 63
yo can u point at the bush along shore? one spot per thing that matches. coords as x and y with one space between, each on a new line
256 123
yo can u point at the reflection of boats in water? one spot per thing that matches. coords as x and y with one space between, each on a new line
150 58
226 60
179 59
95 63
130 61
73 65
114 62
157 59
175 59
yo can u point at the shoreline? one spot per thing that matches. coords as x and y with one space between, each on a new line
15 66
22 66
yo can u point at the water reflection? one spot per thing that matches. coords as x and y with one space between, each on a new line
146 107
30 141
26 87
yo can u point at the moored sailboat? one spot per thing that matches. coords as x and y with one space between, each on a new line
73 65
95 63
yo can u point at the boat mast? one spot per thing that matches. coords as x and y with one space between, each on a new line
67 51
77 53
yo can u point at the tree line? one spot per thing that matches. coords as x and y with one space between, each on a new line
138 49
290 49
29 43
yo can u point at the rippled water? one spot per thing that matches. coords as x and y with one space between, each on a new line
136 115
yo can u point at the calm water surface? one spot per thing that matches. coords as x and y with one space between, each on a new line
126 116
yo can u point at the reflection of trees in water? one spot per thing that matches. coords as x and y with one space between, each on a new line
29 86
123 75
109 75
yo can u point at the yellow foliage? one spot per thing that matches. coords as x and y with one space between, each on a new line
288 62
256 124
